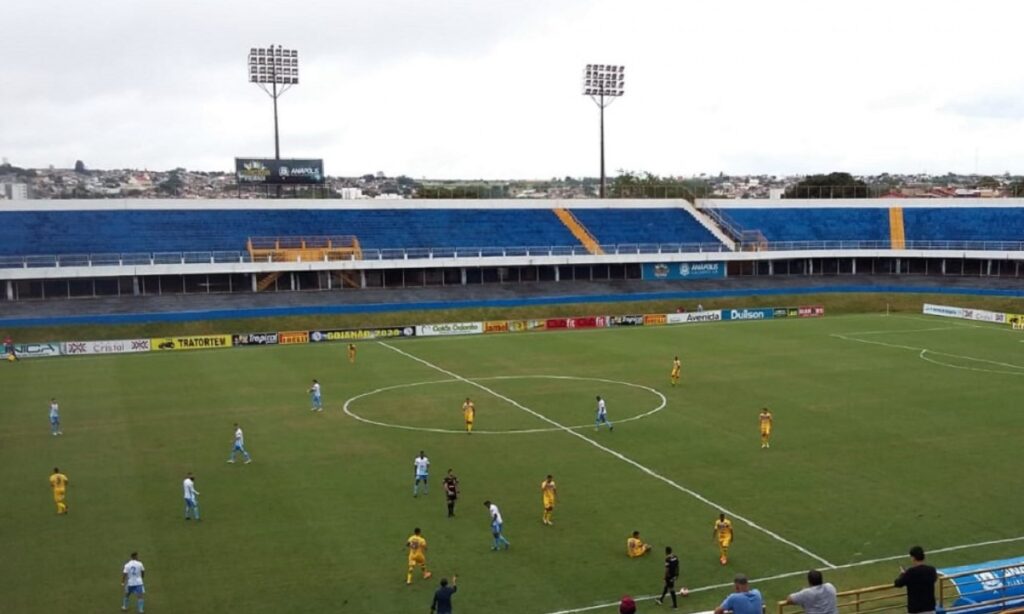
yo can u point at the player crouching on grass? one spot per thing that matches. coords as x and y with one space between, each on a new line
635 547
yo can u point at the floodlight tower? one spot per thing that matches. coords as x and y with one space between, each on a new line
603 83
278 67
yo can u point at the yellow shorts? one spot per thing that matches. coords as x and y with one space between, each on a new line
417 559
549 504
58 496
765 432
725 543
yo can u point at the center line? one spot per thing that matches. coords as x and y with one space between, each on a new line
617 455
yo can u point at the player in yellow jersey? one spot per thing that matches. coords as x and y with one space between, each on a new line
676 368
352 353
417 547
548 492
723 535
766 427
59 484
469 414
635 547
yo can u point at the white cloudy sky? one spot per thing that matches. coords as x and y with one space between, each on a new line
486 88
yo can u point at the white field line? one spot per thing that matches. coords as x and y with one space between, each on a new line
791 574
617 455
927 351
906 330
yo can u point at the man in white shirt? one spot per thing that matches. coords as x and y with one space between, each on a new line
239 446
818 598
131 581
55 418
496 526
314 397
602 415
191 498
421 469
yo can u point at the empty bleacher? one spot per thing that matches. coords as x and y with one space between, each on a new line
124 231
814 224
964 224
650 226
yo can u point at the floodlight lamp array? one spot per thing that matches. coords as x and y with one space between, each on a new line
604 80
274 64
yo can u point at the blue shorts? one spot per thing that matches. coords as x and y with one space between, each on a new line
140 590
190 503
54 419
602 418
239 447
496 528
421 477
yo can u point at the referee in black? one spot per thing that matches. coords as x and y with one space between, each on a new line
671 575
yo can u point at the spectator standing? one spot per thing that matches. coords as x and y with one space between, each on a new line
920 582
818 598
743 600
442 603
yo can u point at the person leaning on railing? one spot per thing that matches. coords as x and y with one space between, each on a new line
818 598
920 582
743 599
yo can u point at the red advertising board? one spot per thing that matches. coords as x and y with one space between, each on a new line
811 311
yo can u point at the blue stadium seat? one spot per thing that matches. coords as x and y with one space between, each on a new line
621 226
964 224
824 224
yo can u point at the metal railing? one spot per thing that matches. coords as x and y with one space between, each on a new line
433 253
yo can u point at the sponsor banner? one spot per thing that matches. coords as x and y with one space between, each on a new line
37 350
694 316
268 171
942 310
118 346
360 334
780 312
989 581
981 315
520 326
683 270
582 322
497 326
764 313
293 337
453 328
792 312
811 311
637 320
655 319
194 342
254 339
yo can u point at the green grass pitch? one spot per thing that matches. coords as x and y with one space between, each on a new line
889 431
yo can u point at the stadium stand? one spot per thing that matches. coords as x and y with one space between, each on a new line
964 224
814 224
616 226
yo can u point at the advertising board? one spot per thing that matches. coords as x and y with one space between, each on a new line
520 326
629 320
943 311
451 328
811 311
37 350
674 271
655 319
579 322
763 313
117 346
268 171
691 317
254 339
496 326
361 334
988 581
194 342
293 337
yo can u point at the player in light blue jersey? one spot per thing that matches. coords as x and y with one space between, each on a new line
55 418
239 446
191 498
314 395
496 527
602 416
421 473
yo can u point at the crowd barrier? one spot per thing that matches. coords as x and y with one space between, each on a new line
208 342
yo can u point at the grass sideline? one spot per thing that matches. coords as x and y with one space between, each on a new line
835 304
875 449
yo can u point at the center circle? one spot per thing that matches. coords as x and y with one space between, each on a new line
347 407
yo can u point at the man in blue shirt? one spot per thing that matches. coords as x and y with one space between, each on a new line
743 600
442 603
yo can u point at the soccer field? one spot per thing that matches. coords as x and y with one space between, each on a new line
889 431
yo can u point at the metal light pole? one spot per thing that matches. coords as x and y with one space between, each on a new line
603 83
274 66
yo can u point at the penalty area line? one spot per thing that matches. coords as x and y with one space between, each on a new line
617 455
792 574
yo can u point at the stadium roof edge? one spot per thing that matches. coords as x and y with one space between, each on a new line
860 203
298 203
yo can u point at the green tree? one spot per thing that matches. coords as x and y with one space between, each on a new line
832 185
